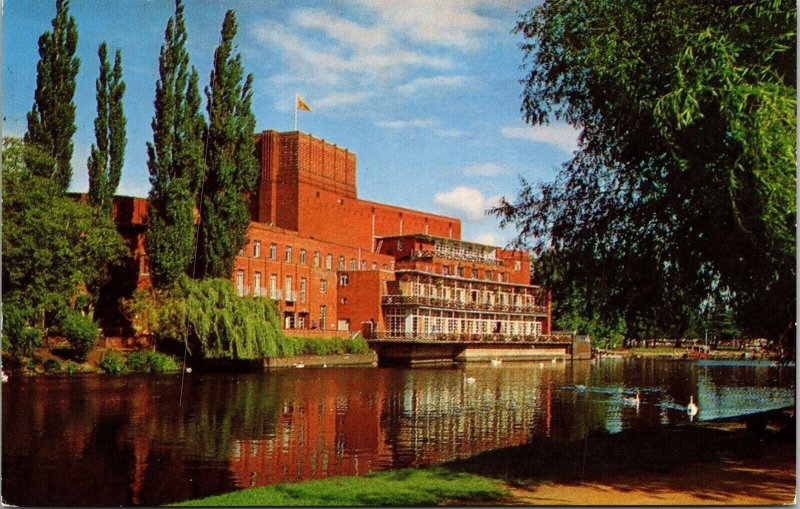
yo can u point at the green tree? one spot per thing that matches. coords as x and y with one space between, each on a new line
682 186
51 121
108 154
232 168
174 159
55 248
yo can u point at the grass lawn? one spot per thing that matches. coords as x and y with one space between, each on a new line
407 487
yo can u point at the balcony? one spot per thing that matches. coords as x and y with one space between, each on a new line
455 337
290 296
433 302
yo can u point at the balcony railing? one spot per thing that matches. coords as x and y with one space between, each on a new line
291 296
455 337
416 300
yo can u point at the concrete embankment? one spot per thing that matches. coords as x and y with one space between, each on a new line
295 361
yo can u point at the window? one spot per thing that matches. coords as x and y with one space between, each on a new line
316 258
499 277
475 273
240 282
256 249
273 287
517 265
445 270
344 300
302 257
344 280
341 262
374 265
302 290
488 274
323 317
257 284
287 290
461 272
399 244
363 264
352 264
288 254
323 285
273 251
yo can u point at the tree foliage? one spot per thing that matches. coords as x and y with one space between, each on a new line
55 247
174 159
51 121
232 168
683 183
212 318
108 152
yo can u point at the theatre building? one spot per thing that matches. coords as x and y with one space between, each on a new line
336 264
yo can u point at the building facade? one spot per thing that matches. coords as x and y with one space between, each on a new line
336 264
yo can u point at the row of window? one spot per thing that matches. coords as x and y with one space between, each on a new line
290 321
303 260
273 291
474 274
475 296
444 325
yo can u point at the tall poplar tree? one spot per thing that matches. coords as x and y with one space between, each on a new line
232 168
51 121
174 159
108 155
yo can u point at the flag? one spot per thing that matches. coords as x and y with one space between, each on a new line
301 105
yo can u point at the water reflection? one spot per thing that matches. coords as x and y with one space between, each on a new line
125 441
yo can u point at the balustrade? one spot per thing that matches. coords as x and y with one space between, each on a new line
418 300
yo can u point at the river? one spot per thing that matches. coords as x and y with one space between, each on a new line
109 441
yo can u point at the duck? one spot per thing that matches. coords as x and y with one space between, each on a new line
691 408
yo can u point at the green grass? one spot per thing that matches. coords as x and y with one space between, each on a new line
407 487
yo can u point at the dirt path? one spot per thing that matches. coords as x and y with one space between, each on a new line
769 479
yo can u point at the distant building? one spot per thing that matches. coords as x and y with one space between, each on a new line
336 264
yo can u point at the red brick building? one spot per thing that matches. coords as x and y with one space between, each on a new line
334 262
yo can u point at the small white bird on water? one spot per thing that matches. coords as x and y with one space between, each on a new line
469 380
633 401
691 408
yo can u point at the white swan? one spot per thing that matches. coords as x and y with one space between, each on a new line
496 362
633 401
691 408
299 365
469 380
188 370
5 376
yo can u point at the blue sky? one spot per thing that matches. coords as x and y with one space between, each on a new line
426 94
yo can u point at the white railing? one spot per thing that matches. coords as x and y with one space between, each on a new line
291 296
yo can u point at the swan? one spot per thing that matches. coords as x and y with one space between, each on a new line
496 362
188 370
541 364
580 388
469 380
691 408
299 365
629 400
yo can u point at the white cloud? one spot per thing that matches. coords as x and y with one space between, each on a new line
448 23
490 239
484 170
450 133
340 29
341 99
405 124
562 136
432 82
467 201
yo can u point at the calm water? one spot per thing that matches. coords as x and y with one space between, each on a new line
125 441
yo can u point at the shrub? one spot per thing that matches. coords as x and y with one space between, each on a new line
151 362
80 331
323 346
357 346
72 367
112 363
51 366
18 337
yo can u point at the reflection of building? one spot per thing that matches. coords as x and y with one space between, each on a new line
335 262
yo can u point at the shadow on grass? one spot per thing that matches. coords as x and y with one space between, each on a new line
654 461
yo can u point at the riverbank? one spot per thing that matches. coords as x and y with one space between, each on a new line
701 464
681 353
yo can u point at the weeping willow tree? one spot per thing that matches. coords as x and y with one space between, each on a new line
214 321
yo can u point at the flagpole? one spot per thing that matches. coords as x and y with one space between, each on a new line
295 111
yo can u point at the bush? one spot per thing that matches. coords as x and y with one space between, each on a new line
72 367
112 363
323 346
52 366
80 331
18 337
151 362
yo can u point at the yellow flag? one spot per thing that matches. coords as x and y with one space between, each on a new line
301 105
